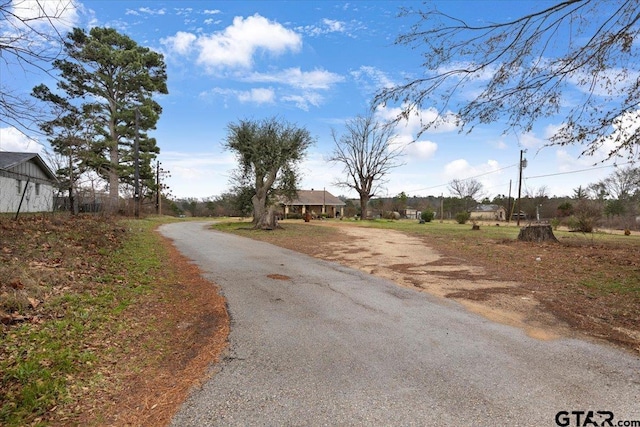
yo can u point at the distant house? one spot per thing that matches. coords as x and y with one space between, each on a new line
26 183
489 213
314 202
411 213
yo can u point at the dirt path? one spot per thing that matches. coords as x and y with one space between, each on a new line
408 262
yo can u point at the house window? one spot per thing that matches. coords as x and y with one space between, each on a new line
37 189
18 186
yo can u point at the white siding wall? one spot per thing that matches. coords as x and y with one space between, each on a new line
35 199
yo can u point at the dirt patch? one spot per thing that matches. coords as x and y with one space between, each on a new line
378 252
278 277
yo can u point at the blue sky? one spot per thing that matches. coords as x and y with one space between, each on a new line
316 64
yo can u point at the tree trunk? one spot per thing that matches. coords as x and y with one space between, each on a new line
114 163
364 201
537 233
264 217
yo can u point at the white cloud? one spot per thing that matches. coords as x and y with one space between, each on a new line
333 26
211 12
181 43
258 96
237 44
11 139
371 79
316 79
414 123
421 150
150 11
255 95
61 14
530 140
145 10
303 100
327 26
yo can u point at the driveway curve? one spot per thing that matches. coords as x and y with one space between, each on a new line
314 343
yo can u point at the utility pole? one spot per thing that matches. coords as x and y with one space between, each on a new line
324 200
509 211
523 164
159 174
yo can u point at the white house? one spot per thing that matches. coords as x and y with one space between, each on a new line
27 184
489 212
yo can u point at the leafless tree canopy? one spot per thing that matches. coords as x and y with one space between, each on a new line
466 188
367 151
525 66
623 184
30 40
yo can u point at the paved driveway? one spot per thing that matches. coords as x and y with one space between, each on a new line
314 343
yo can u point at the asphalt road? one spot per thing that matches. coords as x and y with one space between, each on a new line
320 344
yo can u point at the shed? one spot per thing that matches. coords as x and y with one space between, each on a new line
27 184
489 213
315 202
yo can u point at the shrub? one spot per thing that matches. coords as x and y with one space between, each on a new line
585 217
555 223
427 216
462 217
565 209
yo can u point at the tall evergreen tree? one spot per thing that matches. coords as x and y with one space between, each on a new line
112 80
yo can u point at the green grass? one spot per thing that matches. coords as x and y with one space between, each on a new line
629 285
44 364
289 229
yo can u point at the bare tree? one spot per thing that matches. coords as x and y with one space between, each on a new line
525 65
467 189
30 40
368 152
622 184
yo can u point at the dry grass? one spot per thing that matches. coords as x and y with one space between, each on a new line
103 323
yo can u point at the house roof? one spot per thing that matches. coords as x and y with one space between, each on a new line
487 208
315 198
11 159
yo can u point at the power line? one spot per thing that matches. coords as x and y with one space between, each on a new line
576 171
465 179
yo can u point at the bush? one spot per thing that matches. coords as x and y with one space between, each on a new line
585 217
462 217
427 216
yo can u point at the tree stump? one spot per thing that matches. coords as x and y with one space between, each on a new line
537 233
